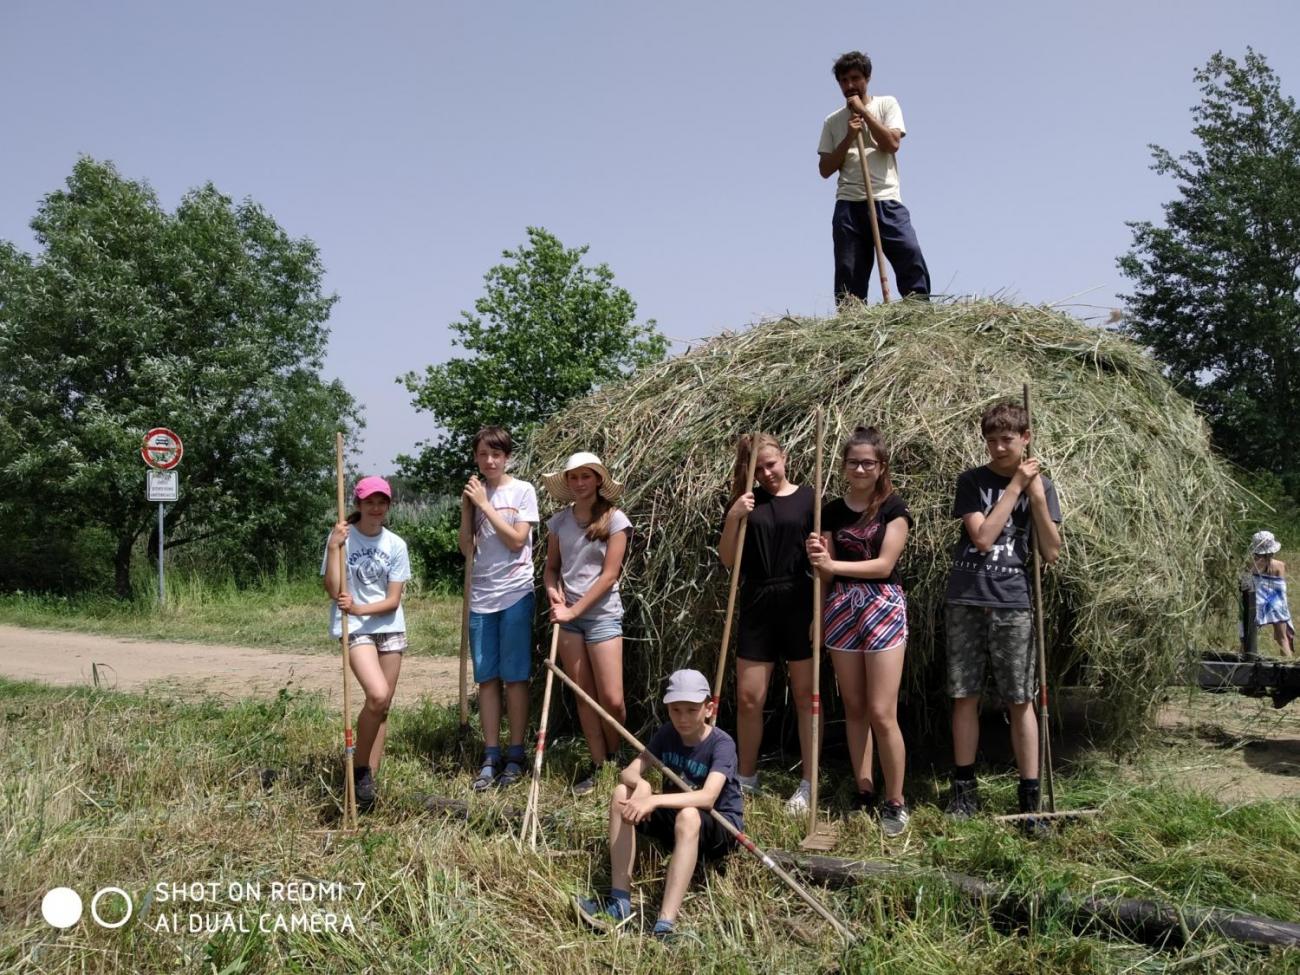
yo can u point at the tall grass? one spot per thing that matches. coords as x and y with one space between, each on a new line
102 788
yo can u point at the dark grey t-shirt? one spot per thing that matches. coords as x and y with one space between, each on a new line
716 753
997 577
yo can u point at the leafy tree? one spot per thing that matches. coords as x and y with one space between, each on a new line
1215 294
547 330
209 320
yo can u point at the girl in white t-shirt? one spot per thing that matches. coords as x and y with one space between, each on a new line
496 525
584 556
378 569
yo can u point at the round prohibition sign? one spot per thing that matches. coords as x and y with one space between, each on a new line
162 449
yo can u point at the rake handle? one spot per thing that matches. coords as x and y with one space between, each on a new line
349 785
875 227
529 827
464 627
722 820
1044 733
815 735
733 586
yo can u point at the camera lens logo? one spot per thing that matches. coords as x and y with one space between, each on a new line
61 907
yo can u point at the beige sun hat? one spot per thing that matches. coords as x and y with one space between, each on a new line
610 489
1263 543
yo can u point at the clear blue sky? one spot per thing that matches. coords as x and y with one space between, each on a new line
415 141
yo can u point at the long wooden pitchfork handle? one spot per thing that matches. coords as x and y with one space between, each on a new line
875 227
1044 733
349 785
735 582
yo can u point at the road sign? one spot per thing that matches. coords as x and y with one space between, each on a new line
162 449
162 485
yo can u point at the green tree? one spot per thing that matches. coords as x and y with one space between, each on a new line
548 329
209 320
1215 288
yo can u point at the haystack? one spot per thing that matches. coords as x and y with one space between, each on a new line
1147 504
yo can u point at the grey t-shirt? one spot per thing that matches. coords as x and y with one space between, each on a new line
995 578
581 560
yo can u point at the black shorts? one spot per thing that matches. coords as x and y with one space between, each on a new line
661 826
775 618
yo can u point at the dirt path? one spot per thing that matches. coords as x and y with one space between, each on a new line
197 669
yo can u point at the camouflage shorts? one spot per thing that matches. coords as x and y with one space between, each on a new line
1004 637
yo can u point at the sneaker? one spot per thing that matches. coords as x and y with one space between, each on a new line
965 800
603 915
587 781
865 801
893 818
664 933
748 784
798 803
513 772
364 788
486 777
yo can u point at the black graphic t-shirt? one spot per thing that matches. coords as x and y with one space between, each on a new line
996 577
715 753
856 542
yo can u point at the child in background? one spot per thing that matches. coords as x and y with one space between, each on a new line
377 572
497 524
703 755
1003 506
584 557
1269 575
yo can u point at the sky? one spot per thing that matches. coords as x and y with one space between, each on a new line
415 141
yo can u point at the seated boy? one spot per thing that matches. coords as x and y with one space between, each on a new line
1002 506
703 755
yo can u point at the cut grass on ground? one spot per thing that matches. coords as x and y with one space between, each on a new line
100 788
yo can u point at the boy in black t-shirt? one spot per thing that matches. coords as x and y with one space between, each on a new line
1002 505
703 755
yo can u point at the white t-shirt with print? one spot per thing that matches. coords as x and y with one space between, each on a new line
883 166
503 577
373 562
582 559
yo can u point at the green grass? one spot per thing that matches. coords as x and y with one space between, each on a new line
100 788
280 612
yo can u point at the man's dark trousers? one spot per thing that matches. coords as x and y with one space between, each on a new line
855 254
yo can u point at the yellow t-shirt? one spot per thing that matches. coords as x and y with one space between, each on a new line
883 166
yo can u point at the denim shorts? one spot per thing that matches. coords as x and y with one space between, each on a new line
382 642
501 643
596 630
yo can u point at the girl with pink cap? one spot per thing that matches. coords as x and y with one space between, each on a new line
371 601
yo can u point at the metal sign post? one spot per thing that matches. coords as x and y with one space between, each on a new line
162 452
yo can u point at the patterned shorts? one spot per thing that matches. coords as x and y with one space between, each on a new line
866 617
383 642
979 635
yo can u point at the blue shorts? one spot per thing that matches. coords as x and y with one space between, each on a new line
595 630
501 643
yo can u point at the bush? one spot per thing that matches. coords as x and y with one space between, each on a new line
430 530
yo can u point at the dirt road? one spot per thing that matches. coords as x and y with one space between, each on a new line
196 669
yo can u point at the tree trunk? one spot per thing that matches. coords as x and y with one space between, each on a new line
122 566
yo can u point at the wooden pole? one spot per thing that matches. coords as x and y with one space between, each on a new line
875 227
1044 733
735 582
349 784
825 838
463 732
529 827
722 820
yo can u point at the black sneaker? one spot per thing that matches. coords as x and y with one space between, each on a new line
865 802
1030 801
586 780
487 776
965 799
364 788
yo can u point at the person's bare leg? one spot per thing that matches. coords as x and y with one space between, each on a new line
752 679
884 672
686 850
374 684
852 680
965 729
801 689
489 711
622 837
606 659
391 665
1024 738
517 708
573 656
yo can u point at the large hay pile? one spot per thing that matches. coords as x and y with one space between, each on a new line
1146 503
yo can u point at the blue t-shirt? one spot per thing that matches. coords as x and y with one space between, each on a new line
715 753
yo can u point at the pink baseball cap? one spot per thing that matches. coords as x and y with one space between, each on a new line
372 485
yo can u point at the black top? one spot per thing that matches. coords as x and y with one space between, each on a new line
694 763
774 540
997 577
858 542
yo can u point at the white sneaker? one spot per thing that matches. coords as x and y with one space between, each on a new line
797 804
748 784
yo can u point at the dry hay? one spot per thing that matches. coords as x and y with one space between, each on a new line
1146 503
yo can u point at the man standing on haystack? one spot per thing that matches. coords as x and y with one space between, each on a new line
880 121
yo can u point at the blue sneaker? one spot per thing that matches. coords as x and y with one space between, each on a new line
603 915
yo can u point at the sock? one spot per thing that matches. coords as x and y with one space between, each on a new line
492 755
664 926
620 901
963 773
515 753
748 780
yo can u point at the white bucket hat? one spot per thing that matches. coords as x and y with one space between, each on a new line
1263 543
610 489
